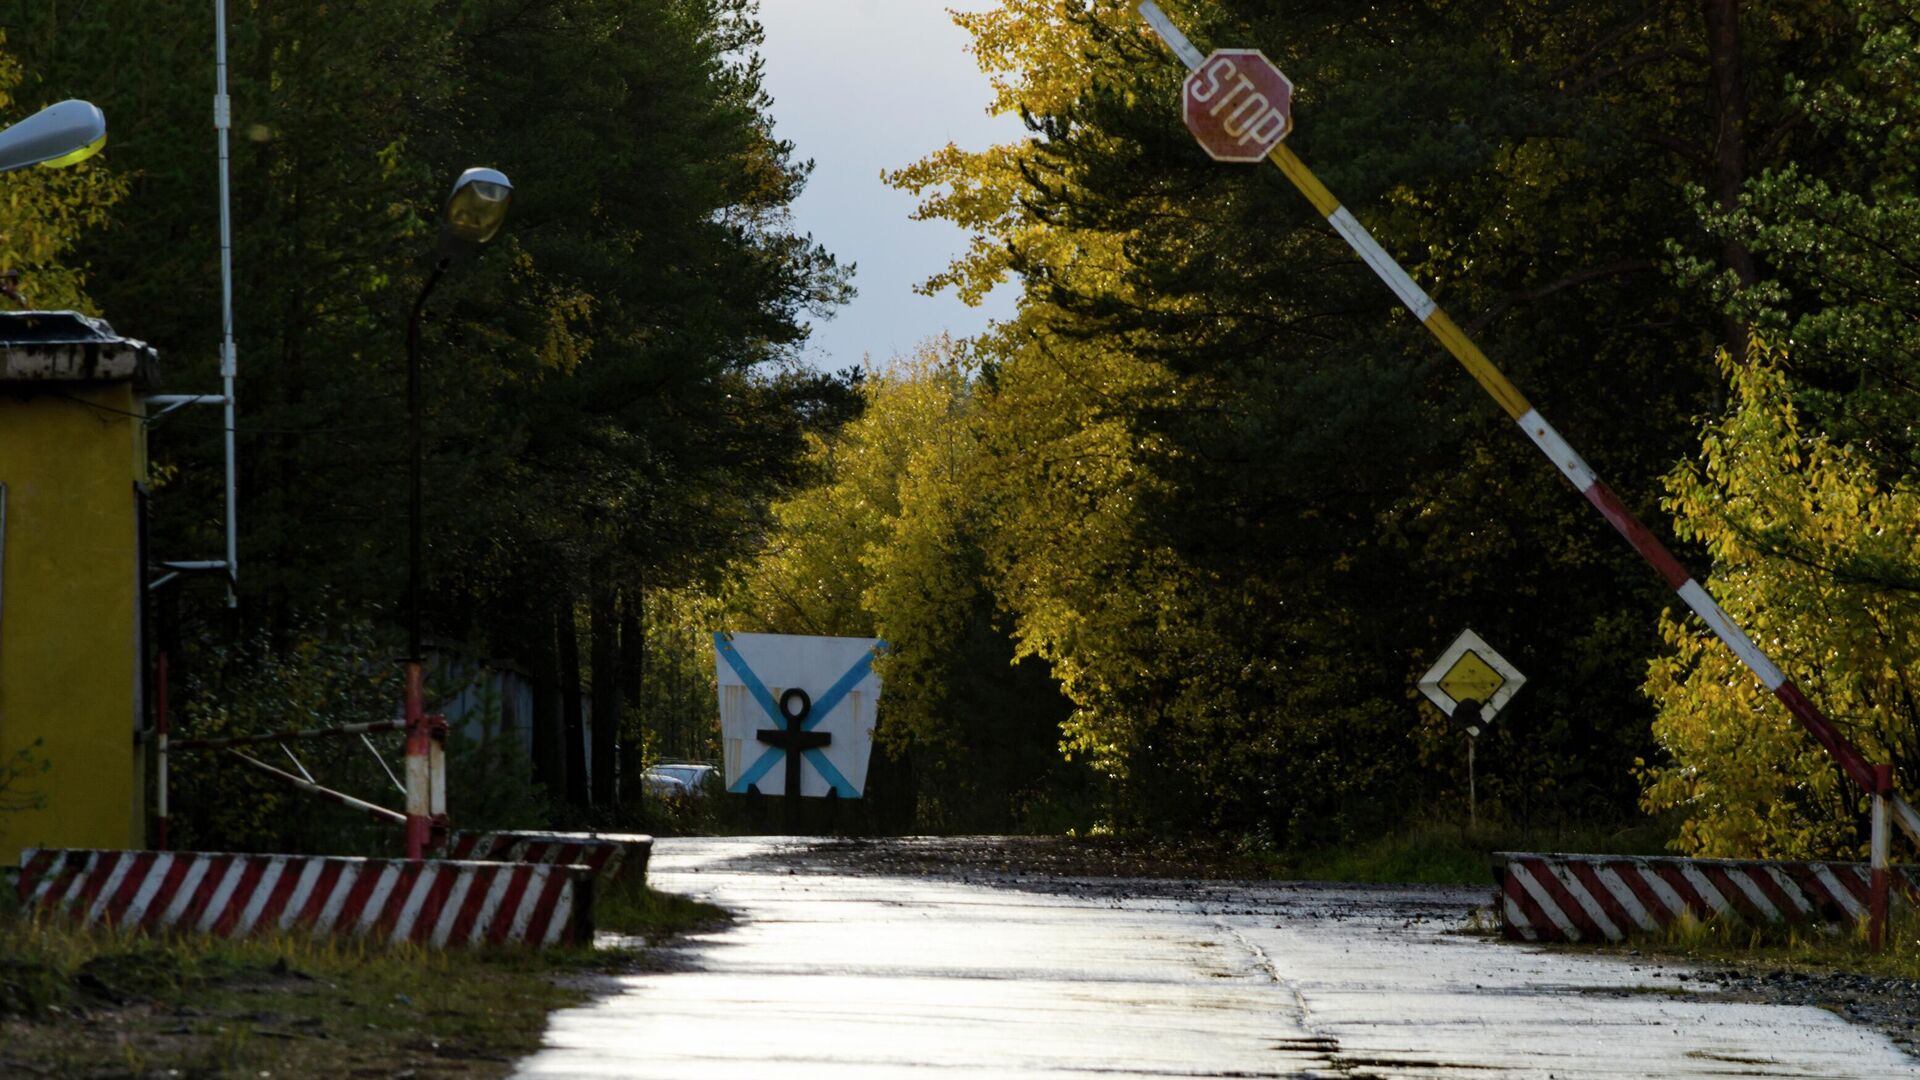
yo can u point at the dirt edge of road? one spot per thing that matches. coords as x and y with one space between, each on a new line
80 1003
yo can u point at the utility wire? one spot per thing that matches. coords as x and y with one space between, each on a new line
166 418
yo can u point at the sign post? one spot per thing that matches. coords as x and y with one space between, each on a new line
1879 867
1470 684
1549 441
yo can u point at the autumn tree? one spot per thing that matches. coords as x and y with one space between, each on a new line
1804 491
49 212
613 395
1739 766
892 544
1248 499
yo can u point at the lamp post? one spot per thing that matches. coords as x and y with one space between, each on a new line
57 136
473 214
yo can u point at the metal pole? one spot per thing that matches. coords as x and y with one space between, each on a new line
419 767
1473 813
382 762
1549 441
416 453
1882 880
419 740
437 823
290 733
161 721
175 401
309 786
229 357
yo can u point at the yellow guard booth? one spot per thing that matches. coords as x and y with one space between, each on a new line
72 466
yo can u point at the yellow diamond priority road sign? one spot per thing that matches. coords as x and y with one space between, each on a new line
1471 677
1471 671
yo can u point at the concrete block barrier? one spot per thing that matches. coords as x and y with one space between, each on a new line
437 902
1610 897
614 856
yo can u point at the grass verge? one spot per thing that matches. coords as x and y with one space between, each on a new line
109 1003
1460 854
1436 853
652 915
1790 947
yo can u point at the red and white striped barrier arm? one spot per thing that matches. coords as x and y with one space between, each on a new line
612 855
1550 443
430 902
1609 898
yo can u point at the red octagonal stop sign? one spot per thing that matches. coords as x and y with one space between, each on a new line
1238 105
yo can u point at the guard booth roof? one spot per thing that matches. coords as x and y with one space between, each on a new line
66 346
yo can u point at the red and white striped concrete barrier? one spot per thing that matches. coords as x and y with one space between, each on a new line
431 902
614 856
1609 897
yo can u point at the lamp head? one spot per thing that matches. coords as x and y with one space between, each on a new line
58 135
475 209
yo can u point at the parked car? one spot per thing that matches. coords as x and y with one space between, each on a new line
675 780
658 785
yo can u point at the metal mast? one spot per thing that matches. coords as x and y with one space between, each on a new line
229 361
229 358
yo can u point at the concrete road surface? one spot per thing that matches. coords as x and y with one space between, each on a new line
846 966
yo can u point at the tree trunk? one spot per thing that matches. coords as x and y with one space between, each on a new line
570 704
633 644
604 635
548 726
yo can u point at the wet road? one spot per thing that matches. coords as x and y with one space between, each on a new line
838 970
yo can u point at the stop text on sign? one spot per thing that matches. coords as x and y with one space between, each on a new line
1238 104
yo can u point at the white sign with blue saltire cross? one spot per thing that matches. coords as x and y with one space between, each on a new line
755 670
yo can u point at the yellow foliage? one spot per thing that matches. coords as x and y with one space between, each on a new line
882 546
1039 57
1815 556
1058 476
1063 544
46 210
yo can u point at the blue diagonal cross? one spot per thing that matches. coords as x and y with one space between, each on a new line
822 705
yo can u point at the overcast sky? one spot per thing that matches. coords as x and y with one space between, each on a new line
861 87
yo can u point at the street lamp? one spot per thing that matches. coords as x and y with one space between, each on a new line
473 214
57 136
